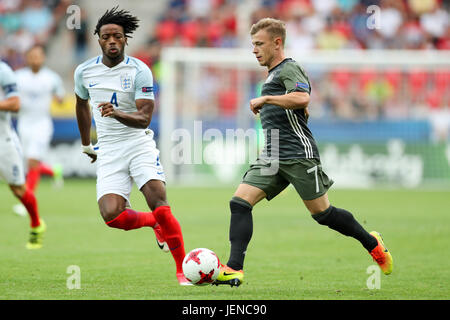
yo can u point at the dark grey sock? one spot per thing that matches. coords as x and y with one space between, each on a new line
241 230
343 221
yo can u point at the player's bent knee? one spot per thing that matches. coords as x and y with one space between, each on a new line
317 205
110 212
111 206
250 194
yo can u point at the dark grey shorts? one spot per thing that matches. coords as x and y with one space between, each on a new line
273 176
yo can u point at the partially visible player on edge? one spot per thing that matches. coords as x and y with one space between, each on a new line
119 91
37 86
282 108
11 160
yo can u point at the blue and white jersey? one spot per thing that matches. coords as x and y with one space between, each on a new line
8 87
120 85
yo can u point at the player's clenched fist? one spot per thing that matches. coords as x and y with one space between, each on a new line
90 151
256 104
106 109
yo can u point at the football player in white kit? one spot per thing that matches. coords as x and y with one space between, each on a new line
37 86
11 161
118 90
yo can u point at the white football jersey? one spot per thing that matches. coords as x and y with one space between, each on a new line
36 91
8 86
120 85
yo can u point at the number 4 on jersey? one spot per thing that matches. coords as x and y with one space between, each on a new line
114 100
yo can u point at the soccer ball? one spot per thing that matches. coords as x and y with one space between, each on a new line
201 266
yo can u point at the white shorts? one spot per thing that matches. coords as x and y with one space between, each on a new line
11 160
35 137
121 163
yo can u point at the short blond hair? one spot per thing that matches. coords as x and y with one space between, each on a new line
275 28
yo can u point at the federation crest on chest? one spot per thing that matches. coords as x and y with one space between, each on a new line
125 81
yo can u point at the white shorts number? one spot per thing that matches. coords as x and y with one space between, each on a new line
314 169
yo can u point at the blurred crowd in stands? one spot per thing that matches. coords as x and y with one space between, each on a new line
27 22
368 94
311 24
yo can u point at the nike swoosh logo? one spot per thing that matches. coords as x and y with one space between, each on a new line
229 274
161 246
93 84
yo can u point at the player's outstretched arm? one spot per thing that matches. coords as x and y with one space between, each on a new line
140 119
10 104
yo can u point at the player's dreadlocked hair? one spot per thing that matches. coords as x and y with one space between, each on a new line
122 18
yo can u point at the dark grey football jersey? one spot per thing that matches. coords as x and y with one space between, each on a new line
295 140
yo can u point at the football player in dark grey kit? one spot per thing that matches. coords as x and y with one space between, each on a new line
291 150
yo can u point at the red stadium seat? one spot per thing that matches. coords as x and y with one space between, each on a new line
433 99
228 101
342 78
166 31
366 76
189 33
441 80
417 80
394 78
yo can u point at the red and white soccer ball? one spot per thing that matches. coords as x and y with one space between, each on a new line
201 266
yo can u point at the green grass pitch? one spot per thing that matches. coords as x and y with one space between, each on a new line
290 255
